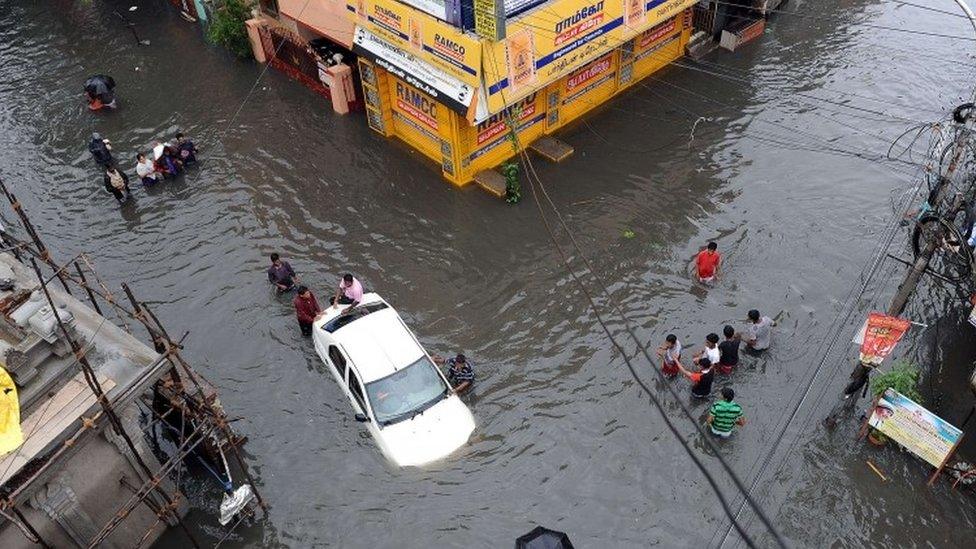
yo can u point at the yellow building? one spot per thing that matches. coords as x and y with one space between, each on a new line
452 94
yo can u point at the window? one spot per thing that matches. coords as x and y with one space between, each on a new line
357 390
353 314
338 361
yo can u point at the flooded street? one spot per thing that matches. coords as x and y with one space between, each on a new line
784 168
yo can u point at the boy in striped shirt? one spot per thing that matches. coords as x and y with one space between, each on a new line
725 415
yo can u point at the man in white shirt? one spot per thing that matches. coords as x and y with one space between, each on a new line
146 170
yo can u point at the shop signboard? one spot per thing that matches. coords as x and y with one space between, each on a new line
882 334
489 19
445 89
430 40
914 428
565 35
446 10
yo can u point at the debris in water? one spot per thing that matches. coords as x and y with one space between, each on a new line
875 469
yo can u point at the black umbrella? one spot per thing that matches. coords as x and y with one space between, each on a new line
543 538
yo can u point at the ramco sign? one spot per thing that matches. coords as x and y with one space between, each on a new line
453 93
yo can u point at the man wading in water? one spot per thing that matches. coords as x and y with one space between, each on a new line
702 380
725 415
117 183
281 274
306 309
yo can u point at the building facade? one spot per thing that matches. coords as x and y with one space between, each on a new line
453 78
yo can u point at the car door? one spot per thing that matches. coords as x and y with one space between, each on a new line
357 392
336 360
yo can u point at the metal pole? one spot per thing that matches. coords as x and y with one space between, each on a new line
106 405
84 284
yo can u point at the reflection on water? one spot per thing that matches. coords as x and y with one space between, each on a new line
564 436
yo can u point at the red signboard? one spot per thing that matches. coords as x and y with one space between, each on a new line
881 336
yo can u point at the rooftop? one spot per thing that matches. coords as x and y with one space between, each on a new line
52 392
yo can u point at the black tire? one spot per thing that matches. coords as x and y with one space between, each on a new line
961 261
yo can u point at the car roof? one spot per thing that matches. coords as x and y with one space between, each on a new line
379 343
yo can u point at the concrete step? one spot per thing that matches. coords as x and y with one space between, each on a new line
700 45
491 181
551 148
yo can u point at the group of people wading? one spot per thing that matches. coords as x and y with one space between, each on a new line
166 159
719 355
348 295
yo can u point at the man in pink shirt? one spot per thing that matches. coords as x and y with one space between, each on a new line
349 292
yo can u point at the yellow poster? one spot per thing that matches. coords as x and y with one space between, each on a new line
634 12
520 58
423 36
11 436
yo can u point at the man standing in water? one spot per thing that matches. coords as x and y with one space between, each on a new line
349 292
459 372
670 355
146 170
306 309
759 332
707 263
725 415
728 351
117 183
701 380
281 274
101 150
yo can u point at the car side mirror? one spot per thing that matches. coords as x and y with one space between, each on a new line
362 418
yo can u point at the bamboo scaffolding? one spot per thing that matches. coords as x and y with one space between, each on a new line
191 398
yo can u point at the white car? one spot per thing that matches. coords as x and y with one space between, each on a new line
394 386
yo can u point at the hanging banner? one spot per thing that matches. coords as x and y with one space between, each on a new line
881 336
11 436
916 429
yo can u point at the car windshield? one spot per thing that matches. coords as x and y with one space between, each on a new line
407 392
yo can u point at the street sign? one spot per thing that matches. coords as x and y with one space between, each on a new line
916 429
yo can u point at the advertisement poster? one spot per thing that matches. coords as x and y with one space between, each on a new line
913 427
521 60
432 41
881 336
583 31
633 12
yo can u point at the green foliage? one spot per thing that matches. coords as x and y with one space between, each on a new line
903 377
513 189
629 233
227 26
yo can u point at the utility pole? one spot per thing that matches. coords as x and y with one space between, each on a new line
933 238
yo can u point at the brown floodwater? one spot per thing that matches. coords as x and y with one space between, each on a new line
786 172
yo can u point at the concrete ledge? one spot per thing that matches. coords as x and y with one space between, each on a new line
551 149
491 181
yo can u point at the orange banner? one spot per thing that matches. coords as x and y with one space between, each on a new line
881 336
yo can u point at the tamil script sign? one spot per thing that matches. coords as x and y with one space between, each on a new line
489 19
881 336
913 427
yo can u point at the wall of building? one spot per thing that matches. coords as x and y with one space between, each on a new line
325 17
85 492
464 148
